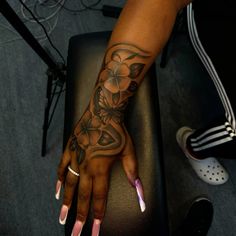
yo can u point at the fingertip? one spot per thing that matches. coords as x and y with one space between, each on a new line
140 194
142 205
77 229
58 189
63 214
96 227
130 166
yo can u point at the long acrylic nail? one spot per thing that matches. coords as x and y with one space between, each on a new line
78 226
139 190
96 227
58 189
63 214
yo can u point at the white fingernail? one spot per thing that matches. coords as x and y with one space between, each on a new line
96 227
142 205
63 214
58 190
77 229
139 190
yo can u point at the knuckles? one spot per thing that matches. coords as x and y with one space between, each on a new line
70 182
60 172
99 196
83 196
98 214
81 216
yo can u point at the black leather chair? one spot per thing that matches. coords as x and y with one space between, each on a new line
123 216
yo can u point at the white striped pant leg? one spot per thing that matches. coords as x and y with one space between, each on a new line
220 83
217 140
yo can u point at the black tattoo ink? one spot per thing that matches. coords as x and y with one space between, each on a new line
136 70
133 87
105 139
73 146
106 150
80 156
89 131
105 111
116 98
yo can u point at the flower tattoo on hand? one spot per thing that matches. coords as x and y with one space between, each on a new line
120 70
116 76
89 131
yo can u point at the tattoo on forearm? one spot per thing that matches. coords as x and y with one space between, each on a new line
106 111
101 126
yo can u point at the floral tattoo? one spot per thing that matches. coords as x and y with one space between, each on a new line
100 127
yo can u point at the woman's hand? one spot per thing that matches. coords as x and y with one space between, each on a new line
91 152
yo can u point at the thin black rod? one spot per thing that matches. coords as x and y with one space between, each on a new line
46 114
20 27
55 105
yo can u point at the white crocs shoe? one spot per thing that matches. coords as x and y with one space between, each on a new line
209 170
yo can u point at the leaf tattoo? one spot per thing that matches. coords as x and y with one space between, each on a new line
135 70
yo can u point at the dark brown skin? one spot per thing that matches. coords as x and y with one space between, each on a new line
100 137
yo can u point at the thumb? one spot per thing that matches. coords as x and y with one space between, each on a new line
130 166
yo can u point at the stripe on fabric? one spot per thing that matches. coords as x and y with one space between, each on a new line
213 144
209 65
208 132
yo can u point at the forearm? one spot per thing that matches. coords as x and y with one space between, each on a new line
147 24
140 34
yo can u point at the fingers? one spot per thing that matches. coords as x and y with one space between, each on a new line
96 227
61 173
84 193
129 161
62 170
71 182
140 193
130 166
100 192
58 189
65 160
